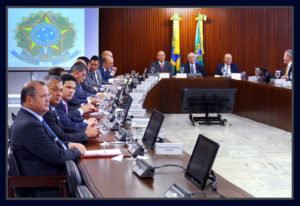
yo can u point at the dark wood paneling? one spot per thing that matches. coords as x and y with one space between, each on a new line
256 37
260 102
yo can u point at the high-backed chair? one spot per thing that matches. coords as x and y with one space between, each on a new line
73 176
17 182
83 192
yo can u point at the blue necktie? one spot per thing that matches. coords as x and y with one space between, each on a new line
56 138
226 70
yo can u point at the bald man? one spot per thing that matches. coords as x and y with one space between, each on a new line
112 69
161 65
106 53
107 63
37 148
225 69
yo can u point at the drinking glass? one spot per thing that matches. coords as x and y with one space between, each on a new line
151 70
277 74
181 69
257 72
103 106
223 71
104 129
119 116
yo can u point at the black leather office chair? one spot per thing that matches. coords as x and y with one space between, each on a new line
83 192
73 176
17 182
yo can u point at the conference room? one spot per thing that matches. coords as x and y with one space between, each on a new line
191 103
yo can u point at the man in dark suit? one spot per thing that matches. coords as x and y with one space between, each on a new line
37 149
110 54
79 70
105 69
227 67
288 60
161 65
192 66
55 86
86 84
94 74
66 119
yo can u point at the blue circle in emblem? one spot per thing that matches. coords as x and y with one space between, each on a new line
45 34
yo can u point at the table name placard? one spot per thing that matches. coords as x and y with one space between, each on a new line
168 148
137 112
181 75
139 122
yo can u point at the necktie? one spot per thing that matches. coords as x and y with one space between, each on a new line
96 77
161 66
66 107
226 71
286 70
56 138
192 68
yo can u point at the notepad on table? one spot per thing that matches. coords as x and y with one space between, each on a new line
102 153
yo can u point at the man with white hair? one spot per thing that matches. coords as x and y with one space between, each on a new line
288 60
192 66
225 69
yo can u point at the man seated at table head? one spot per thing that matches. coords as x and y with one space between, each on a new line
66 119
37 149
94 75
81 96
55 88
105 69
288 60
225 69
192 66
57 71
161 65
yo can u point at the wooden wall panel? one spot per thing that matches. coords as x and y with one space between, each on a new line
256 37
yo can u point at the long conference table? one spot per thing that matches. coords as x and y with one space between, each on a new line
107 178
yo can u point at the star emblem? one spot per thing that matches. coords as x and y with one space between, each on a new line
45 34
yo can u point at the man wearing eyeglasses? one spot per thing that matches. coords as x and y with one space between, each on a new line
37 149
55 87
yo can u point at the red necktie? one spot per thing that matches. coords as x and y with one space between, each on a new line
161 66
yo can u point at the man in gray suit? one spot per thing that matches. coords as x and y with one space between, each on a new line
161 65
94 75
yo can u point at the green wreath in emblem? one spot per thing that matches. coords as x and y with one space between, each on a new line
45 35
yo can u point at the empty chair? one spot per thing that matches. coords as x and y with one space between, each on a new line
73 176
83 192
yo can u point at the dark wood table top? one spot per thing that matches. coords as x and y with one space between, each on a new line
114 179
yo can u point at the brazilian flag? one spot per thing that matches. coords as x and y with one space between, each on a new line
199 49
175 55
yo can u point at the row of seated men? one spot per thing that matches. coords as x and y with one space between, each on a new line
49 128
223 69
